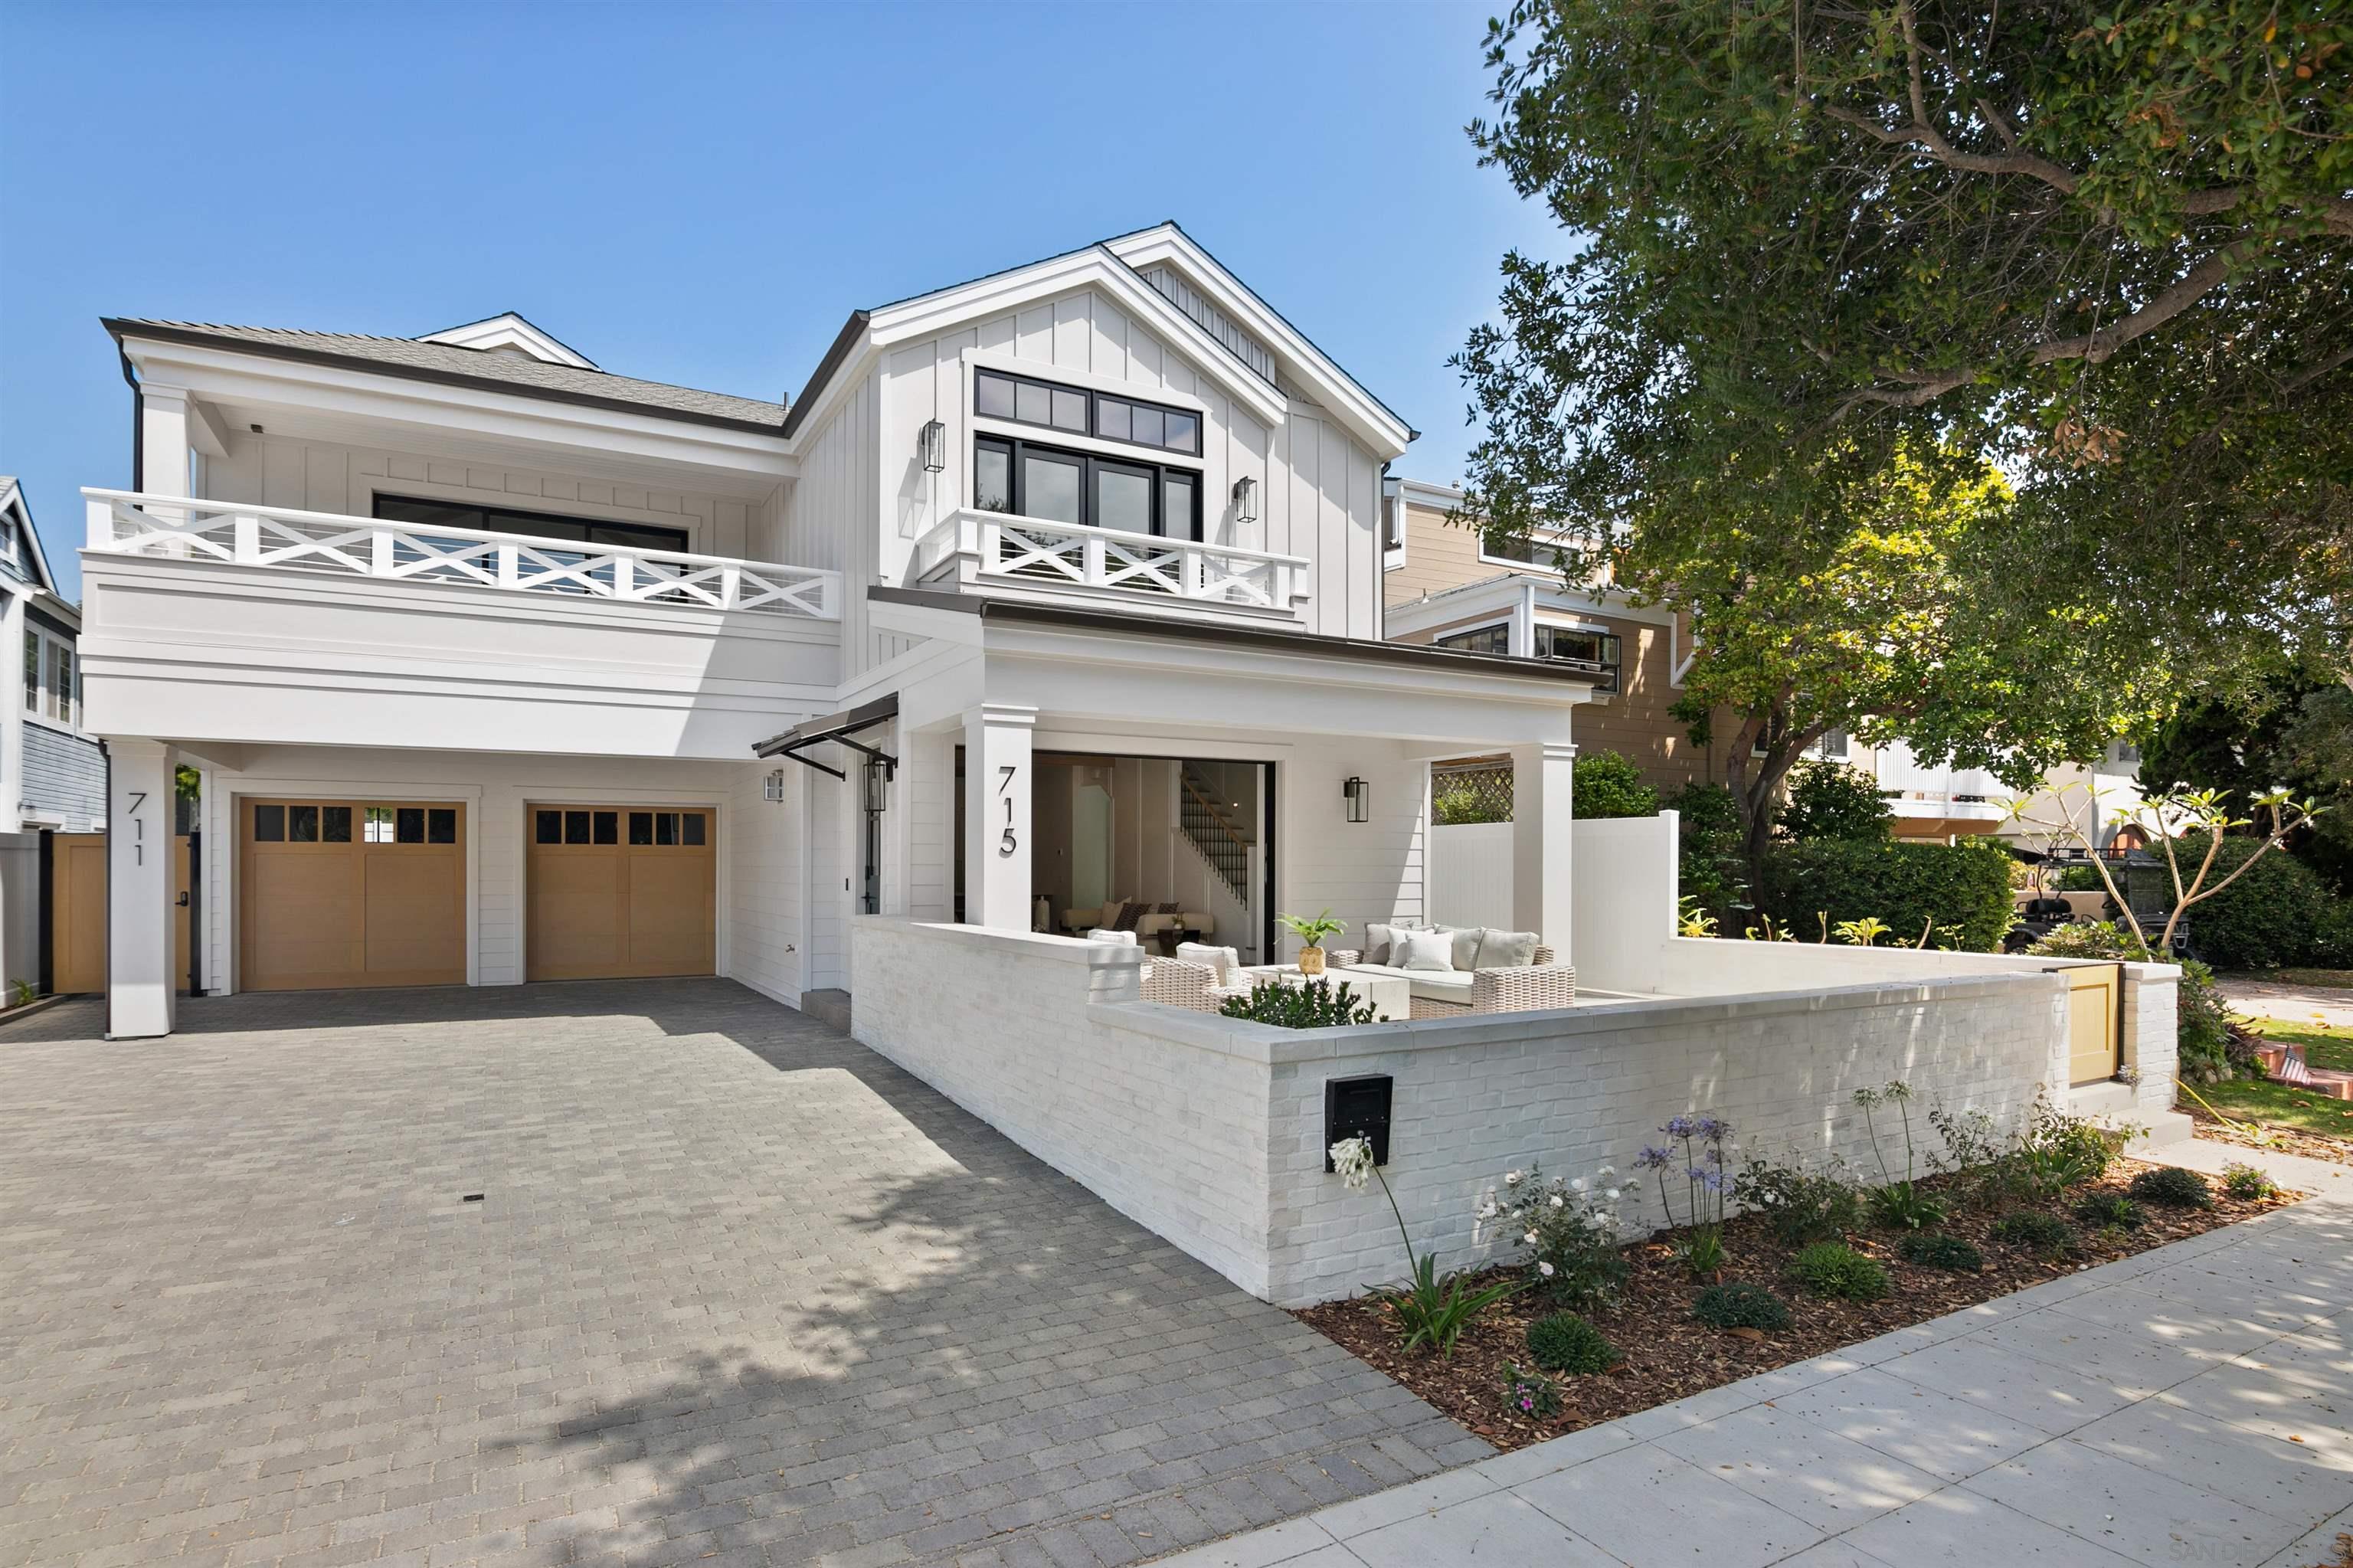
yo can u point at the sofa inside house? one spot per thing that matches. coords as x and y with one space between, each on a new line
1146 918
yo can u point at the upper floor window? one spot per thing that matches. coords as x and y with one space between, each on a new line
474 519
1834 745
52 677
1596 653
1032 480
1021 399
1495 638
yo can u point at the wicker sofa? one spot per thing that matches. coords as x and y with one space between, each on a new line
1526 988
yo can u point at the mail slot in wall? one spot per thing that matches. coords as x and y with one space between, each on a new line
1358 1107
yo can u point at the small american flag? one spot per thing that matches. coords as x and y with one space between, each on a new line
2291 1068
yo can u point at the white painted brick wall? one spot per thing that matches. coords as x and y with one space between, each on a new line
1211 1132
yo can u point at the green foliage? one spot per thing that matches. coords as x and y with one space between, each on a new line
1838 1272
1457 799
1431 1312
1910 887
2105 251
1741 1307
1831 800
2109 1211
1565 1342
2084 1144
2172 1186
1939 1250
2079 879
1605 784
2247 1184
2277 912
1906 1206
1800 1206
2035 1230
1711 869
1570 1229
1312 1004
1531 1392
1313 930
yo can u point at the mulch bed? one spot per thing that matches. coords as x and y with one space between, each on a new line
1670 1356
2284 1139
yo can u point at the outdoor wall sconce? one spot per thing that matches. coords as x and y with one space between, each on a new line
1359 796
777 785
1246 499
878 785
934 446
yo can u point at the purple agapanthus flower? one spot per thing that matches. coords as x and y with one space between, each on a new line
1653 1157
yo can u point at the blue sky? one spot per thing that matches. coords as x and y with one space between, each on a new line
701 194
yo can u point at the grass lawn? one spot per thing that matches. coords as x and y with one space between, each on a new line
2326 979
2325 1045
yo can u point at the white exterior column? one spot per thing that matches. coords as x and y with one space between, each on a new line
163 440
997 846
1542 807
139 917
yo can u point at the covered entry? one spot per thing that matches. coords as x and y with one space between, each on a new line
349 893
621 891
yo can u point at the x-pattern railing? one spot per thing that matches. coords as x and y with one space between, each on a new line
127 524
994 544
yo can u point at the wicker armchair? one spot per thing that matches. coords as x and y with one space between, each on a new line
1176 982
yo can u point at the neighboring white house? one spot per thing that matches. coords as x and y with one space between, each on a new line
500 667
52 777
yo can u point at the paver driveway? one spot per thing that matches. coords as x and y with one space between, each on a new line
736 1290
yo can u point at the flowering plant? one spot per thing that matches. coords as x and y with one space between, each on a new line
1571 1231
1431 1311
1531 1393
1697 1148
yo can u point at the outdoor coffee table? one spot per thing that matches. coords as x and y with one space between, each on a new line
1392 998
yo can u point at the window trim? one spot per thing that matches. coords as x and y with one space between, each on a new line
1016 447
1095 396
1617 667
39 690
1445 638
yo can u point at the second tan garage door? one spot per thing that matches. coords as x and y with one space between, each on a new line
347 893
621 891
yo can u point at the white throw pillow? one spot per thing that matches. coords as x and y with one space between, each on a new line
1466 938
1226 963
1116 938
1507 949
1425 950
1381 940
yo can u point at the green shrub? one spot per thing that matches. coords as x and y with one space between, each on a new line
1830 800
2246 1183
1910 887
2034 1231
1566 1342
2079 879
1835 1270
1798 1205
1316 1004
2277 912
1709 852
2172 1186
1906 1206
1531 1392
2109 1211
1741 1307
1937 1250
1608 785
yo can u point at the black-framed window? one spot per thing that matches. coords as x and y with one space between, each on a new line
1598 651
472 518
1026 400
1495 638
1027 480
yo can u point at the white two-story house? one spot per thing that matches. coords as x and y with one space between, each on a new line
1056 588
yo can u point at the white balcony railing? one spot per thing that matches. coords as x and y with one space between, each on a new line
995 546
124 523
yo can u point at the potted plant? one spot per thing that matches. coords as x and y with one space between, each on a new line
1312 930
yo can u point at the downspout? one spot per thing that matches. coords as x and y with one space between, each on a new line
138 434
107 758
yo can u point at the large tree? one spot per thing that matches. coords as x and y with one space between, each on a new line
2108 250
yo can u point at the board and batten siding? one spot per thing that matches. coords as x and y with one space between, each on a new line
1320 488
319 476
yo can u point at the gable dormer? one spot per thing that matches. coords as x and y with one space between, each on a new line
510 334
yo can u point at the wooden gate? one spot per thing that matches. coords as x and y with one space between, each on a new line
77 893
2096 1021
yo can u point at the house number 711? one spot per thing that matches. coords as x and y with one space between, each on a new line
1007 843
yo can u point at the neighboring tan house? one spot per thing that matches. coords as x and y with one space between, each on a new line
1062 584
1446 586
50 768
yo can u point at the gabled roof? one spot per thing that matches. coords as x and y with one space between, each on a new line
453 364
37 560
508 331
1121 261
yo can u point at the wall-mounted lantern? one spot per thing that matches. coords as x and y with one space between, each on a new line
1246 499
1359 796
878 785
933 444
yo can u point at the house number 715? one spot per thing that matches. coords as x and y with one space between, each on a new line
1007 843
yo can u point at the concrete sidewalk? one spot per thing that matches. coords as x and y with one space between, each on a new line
2192 1405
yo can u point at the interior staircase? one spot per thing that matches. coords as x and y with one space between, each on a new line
1211 830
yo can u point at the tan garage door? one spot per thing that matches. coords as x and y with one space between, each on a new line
622 891
351 893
